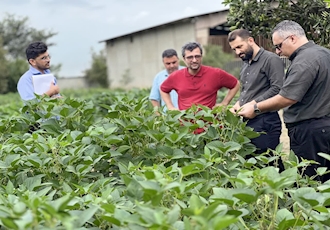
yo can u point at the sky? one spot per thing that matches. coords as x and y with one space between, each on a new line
81 24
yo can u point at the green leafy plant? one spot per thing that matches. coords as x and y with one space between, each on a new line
106 161
260 17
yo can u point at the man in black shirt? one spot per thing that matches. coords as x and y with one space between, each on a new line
261 78
305 95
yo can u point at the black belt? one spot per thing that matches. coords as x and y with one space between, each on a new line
293 124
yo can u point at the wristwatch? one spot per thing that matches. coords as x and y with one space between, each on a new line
256 109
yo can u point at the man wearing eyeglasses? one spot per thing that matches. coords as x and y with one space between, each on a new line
261 78
39 61
305 95
197 84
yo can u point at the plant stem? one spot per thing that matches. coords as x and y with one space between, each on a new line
243 223
272 223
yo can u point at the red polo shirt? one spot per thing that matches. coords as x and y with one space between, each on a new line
199 89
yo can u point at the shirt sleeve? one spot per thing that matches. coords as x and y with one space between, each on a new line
300 80
275 72
167 85
154 92
226 79
25 88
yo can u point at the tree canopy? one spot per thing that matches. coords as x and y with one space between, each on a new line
97 74
261 16
17 35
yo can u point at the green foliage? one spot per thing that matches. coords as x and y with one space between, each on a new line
106 161
260 17
97 75
17 35
214 56
3 70
16 68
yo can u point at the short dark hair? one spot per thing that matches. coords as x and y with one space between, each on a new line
169 53
35 49
191 46
242 33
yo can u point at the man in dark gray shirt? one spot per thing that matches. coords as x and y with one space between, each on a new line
261 78
305 95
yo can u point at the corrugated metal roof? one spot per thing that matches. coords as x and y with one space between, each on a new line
163 24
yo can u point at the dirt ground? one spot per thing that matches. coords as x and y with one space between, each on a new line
284 137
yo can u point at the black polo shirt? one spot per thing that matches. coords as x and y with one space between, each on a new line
308 82
262 78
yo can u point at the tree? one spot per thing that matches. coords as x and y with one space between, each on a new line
214 56
97 75
17 35
3 70
261 16
15 69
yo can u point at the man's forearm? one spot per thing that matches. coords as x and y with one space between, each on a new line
271 92
155 103
272 104
53 90
231 94
275 103
167 99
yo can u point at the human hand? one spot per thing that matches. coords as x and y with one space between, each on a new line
247 110
172 108
218 104
251 102
56 96
233 110
53 90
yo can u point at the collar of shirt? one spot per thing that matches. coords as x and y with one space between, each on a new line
34 71
256 58
180 67
305 46
198 74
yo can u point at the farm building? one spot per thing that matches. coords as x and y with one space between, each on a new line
133 59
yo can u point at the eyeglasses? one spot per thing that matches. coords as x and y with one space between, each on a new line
279 46
45 57
197 57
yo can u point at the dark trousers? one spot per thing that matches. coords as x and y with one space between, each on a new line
270 123
308 138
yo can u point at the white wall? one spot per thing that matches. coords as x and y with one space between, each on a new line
141 53
72 83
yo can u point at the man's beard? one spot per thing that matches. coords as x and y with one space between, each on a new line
248 54
171 70
195 67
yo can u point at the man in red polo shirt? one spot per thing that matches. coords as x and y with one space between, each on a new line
197 84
